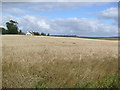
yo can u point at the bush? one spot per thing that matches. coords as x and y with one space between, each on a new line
3 30
43 34
21 33
36 33
48 34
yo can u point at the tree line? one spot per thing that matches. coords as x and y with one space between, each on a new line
12 28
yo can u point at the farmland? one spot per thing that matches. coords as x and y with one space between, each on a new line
58 62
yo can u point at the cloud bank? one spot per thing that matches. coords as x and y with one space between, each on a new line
110 13
77 26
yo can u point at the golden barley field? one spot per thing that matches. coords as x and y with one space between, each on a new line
58 62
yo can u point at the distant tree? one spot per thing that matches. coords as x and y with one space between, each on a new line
3 30
48 34
20 32
43 34
36 33
12 27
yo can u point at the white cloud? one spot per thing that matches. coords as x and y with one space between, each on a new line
83 26
77 26
110 13
47 6
16 11
43 24
28 23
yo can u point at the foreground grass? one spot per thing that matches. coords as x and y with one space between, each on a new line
74 77
110 81
58 62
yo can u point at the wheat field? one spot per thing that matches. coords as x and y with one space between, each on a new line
57 62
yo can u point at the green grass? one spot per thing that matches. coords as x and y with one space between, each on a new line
106 82
40 85
110 81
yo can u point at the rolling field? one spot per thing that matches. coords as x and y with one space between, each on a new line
58 62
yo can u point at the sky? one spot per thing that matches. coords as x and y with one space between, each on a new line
98 19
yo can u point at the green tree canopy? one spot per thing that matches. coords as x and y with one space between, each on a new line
36 33
12 27
48 34
43 34
3 30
